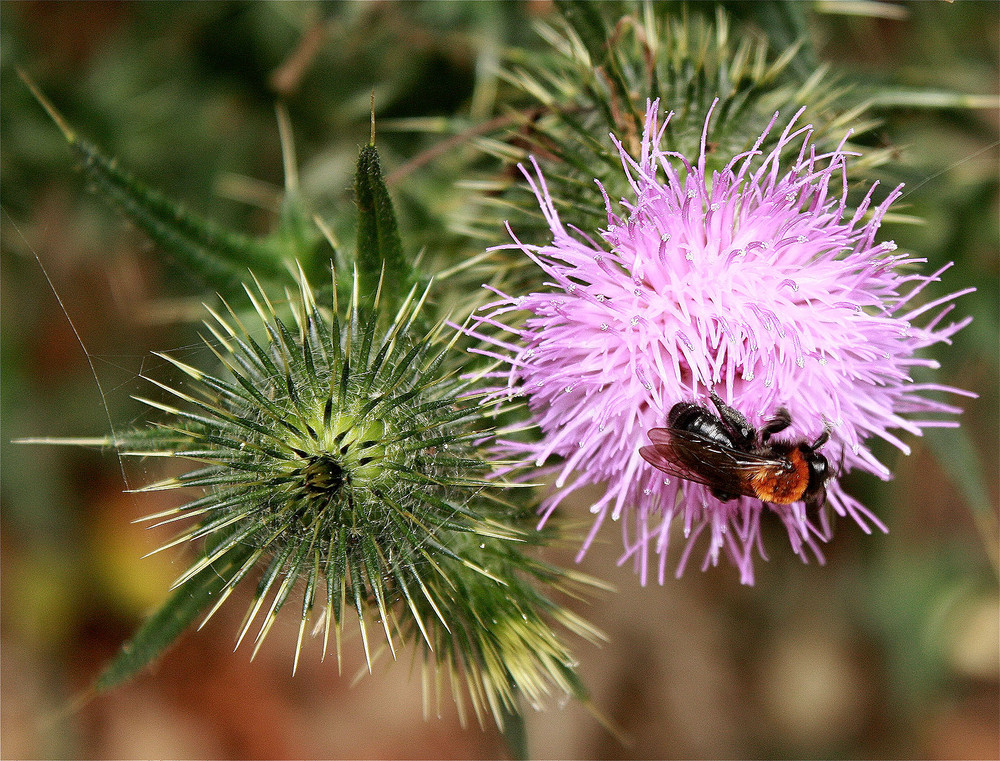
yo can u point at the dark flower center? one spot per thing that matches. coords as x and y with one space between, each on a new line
323 475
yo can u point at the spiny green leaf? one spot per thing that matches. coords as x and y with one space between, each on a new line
163 627
379 244
218 256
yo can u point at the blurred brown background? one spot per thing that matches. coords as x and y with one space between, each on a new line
889 651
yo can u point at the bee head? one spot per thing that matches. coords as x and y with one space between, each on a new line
819 474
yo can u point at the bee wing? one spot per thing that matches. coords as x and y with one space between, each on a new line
661 435
696 458
663 454
660 458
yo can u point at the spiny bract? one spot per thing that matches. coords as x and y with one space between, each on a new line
583 85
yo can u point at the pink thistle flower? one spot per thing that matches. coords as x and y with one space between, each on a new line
755 281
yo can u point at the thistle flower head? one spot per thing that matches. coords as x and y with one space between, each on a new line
755 280
347 461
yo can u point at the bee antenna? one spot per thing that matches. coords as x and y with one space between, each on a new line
843 455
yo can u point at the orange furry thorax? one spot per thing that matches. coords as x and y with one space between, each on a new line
785 482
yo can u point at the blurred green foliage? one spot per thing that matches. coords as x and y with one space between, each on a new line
183 95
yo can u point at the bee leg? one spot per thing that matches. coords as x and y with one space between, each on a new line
722 495
821 439
816 500
742 432
778 423
823 509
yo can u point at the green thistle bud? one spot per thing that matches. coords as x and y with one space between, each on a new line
347 460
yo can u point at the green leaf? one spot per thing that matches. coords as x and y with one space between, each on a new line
220 257
164 626
379 244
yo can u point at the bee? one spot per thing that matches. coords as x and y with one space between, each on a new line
726 454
